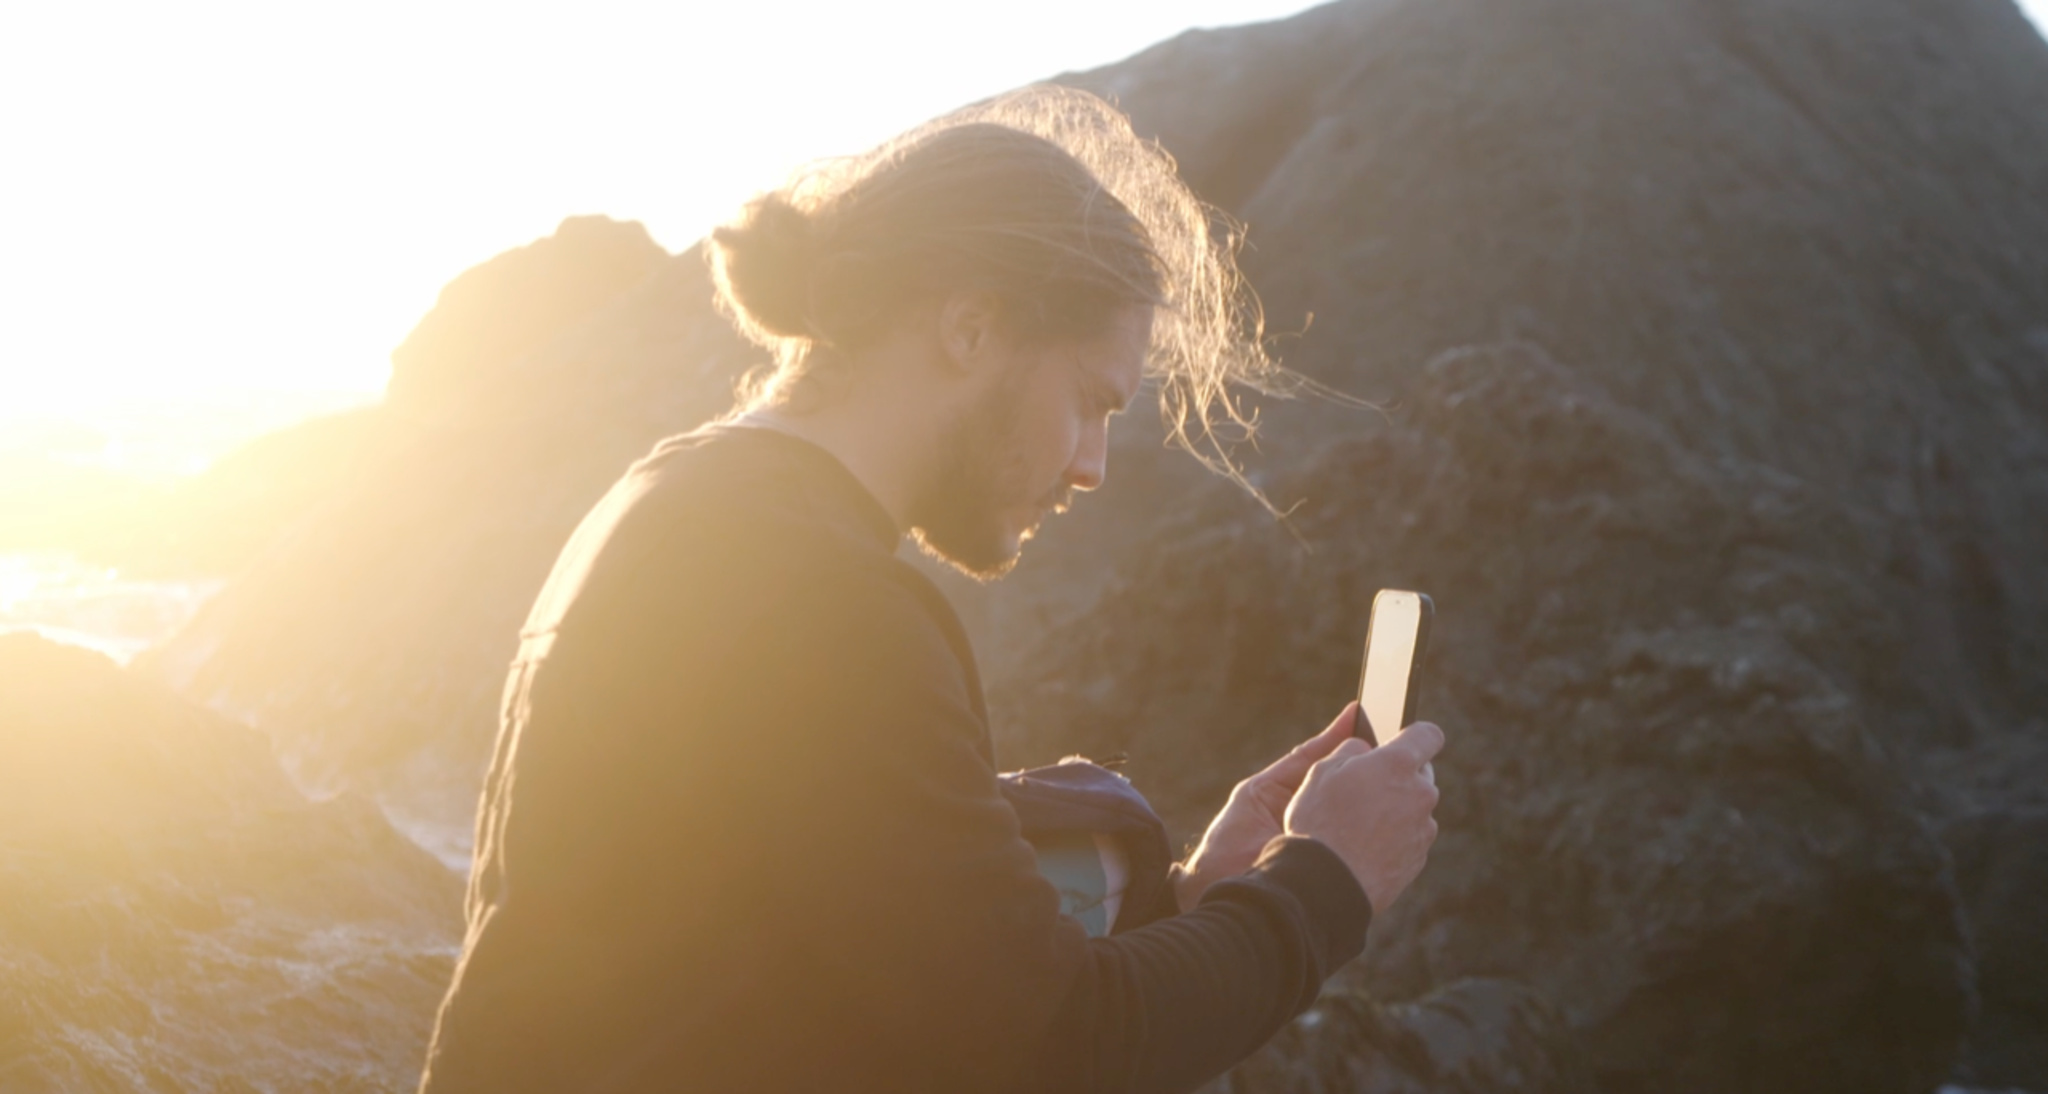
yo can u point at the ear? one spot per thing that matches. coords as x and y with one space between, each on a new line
969 328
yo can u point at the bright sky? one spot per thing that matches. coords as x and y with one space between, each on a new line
210 203
207 201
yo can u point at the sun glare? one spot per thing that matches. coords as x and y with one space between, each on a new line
215 207
221 216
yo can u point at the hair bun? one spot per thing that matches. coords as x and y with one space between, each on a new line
763 265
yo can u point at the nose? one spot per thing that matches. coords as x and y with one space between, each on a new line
1091 458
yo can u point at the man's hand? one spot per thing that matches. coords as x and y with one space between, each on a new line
1255 813
1372 806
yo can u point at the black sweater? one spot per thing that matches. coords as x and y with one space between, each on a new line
742 832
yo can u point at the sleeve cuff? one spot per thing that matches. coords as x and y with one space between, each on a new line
1333 903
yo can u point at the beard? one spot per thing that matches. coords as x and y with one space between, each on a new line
980 474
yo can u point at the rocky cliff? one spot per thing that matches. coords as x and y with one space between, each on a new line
369 636
174 915
1714 344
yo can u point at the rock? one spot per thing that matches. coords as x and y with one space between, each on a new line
2002 870
1803 234
175 916
497 313
370 638
1666 806
1473 1037
1993 800
219 522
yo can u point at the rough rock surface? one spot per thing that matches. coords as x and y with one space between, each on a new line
174 915
1474 1037
1997 828
1804 233
1795 245
1665 806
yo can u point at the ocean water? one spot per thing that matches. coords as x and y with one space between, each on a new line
85 604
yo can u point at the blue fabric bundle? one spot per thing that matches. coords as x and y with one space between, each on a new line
1098 842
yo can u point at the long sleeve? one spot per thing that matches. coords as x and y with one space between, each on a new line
743 833
921 889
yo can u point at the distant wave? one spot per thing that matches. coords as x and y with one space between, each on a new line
83 604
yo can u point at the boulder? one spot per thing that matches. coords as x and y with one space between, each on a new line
1473 1037
1997 828
1802 233
2002 866
369 637
174 915
512 306
1668 804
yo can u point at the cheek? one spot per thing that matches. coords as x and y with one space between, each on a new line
1073 438
1052 428
1041 457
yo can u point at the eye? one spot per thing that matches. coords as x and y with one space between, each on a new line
1095 402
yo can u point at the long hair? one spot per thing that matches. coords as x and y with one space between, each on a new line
1043 196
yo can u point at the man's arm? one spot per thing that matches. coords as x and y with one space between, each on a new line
1171 1005
921 889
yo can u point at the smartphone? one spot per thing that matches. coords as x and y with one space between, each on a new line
1394 643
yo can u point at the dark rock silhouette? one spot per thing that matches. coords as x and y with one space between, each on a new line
2002 860
1998 832
1474 1037
506 309
1789 258
174 915
1806 234
1713 342
370 639
1665 808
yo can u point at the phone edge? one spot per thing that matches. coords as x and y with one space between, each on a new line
1422 629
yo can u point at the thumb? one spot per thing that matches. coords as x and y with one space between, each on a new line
1289 770
1420 742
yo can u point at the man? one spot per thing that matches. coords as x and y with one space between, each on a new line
742 831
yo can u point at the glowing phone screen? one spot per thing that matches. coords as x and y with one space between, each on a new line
1390 649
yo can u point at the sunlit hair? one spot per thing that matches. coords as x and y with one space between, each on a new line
1044 197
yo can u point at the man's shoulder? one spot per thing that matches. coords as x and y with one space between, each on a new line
807 535
750 480
741 519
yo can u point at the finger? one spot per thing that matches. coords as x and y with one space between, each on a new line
1289 770
1419 742
1345 751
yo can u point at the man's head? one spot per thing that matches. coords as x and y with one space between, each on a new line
1024 439
1003 277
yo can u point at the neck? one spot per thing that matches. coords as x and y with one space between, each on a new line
887 461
